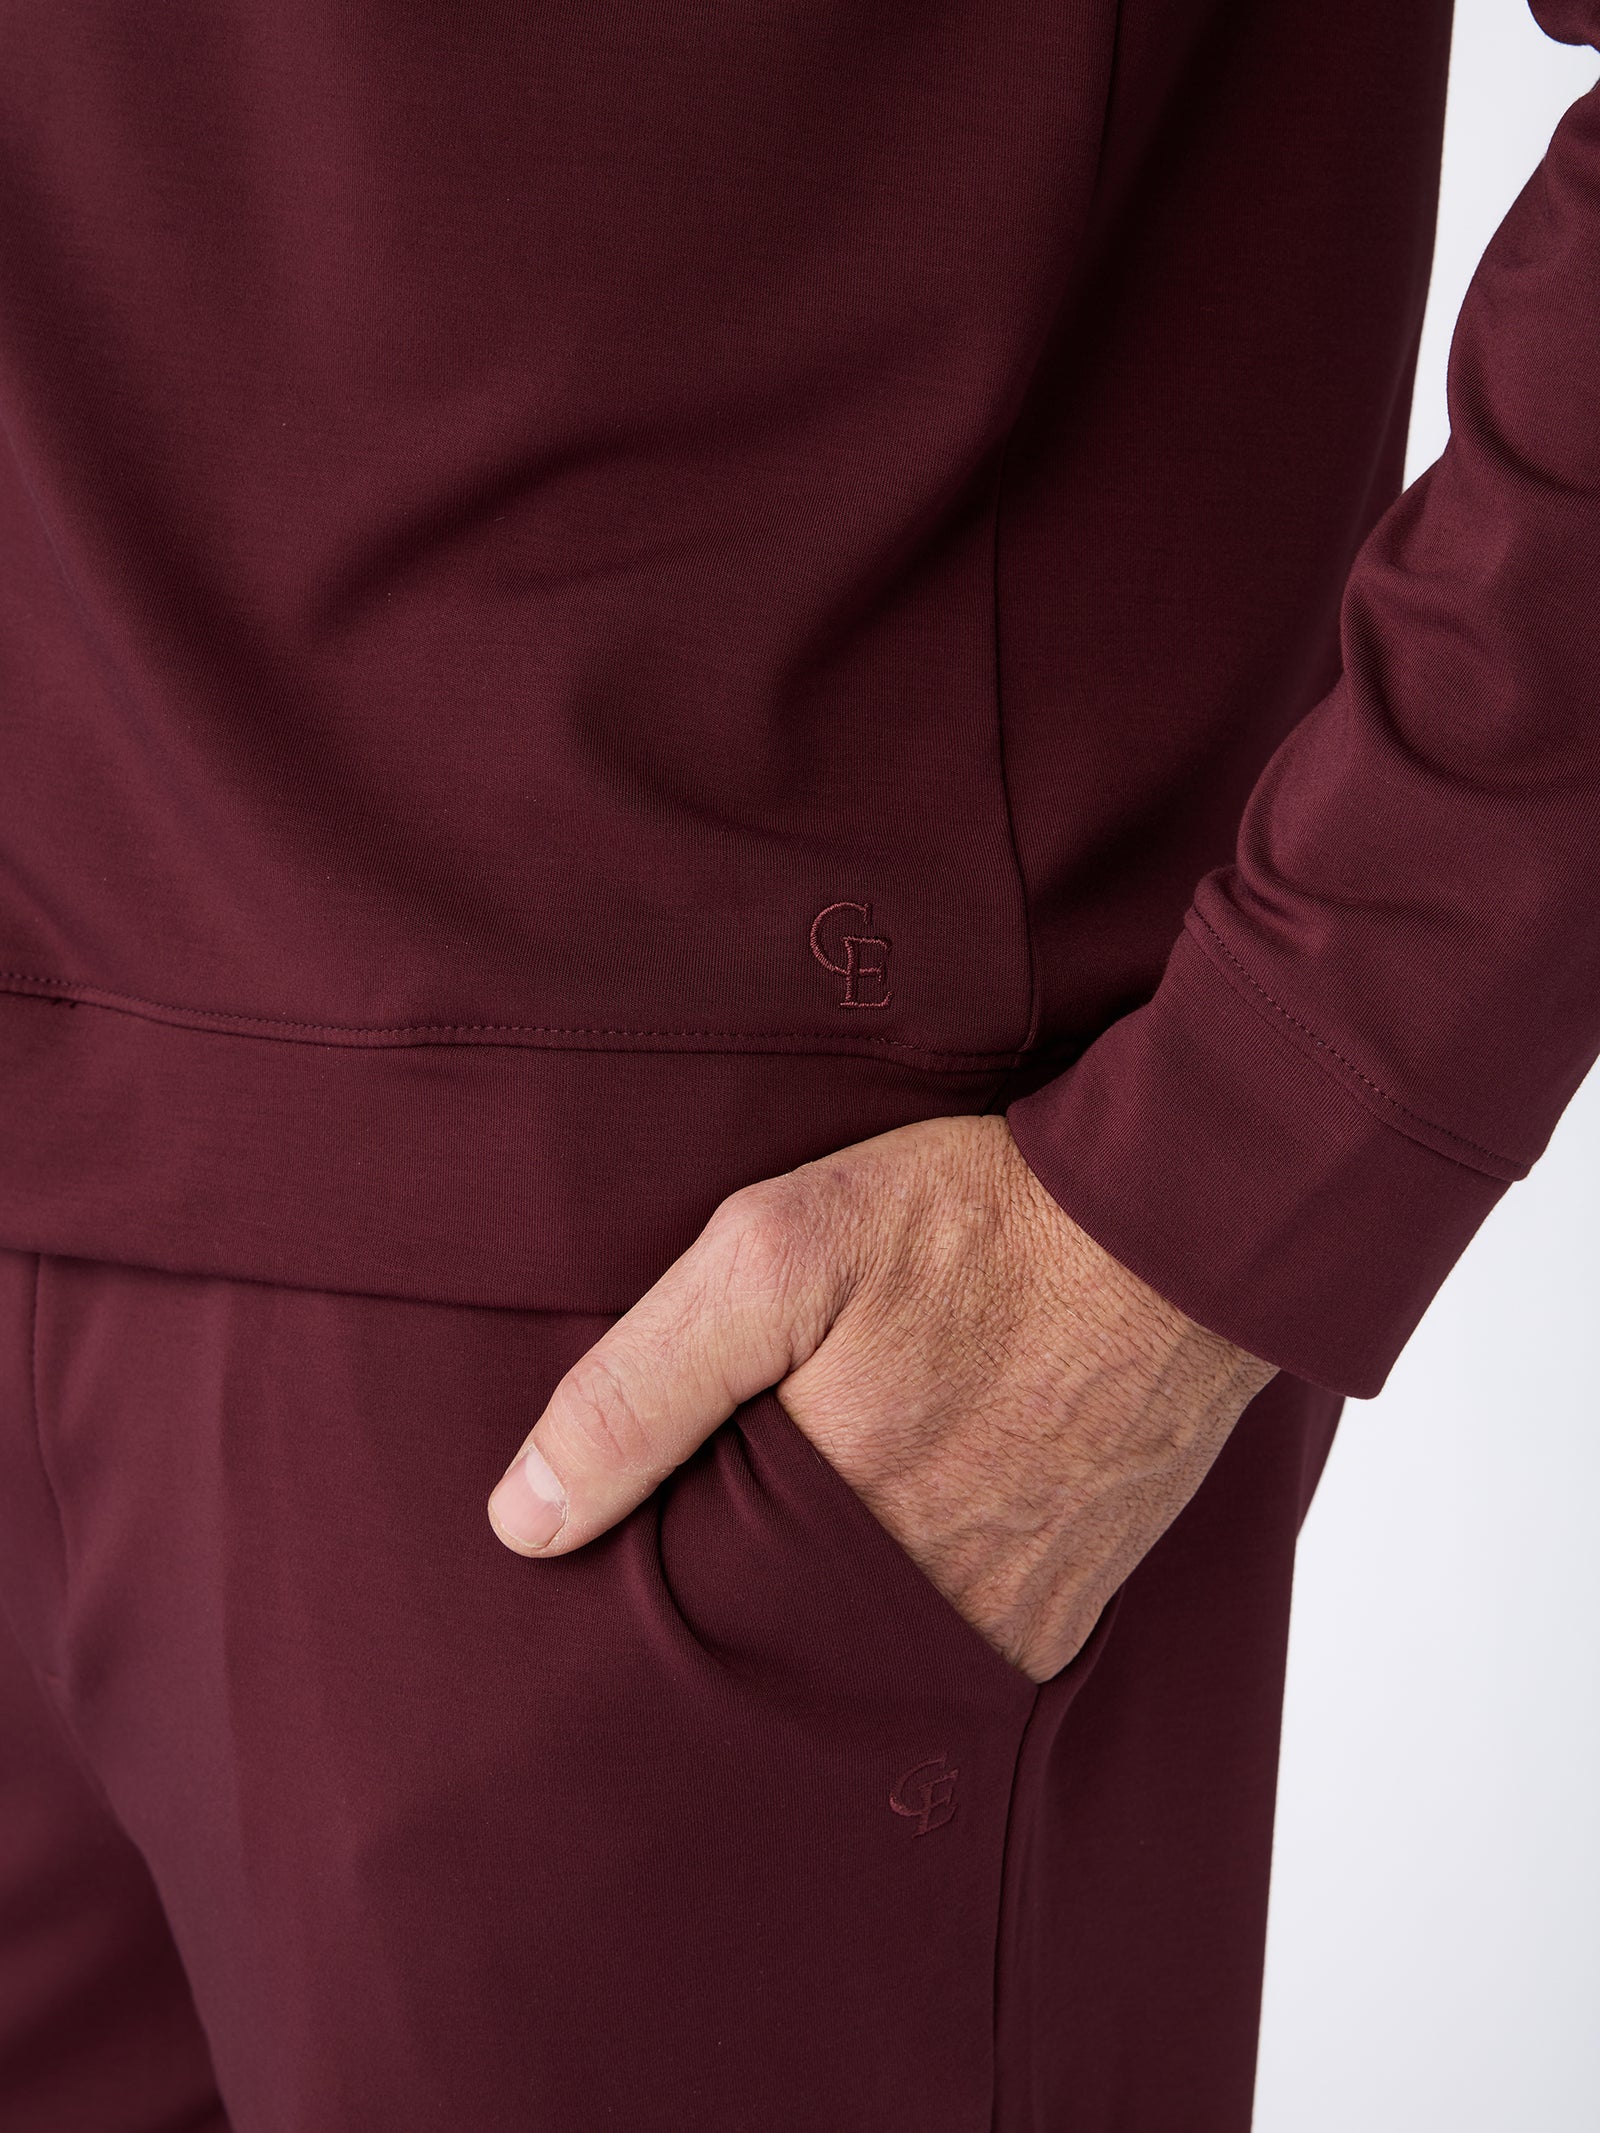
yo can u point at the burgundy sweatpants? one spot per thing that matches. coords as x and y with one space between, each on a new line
320 1811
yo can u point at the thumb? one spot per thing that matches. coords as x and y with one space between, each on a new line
735 1314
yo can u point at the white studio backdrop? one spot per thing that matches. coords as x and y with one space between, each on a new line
1434 1950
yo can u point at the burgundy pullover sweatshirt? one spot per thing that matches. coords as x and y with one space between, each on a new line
600 599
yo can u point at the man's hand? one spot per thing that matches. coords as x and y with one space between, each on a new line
1023 1414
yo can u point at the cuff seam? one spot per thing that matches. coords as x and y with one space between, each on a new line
1426 1132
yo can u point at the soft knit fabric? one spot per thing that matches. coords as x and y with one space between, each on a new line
320 1812
597 602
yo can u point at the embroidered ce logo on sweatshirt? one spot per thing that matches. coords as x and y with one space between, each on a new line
842 940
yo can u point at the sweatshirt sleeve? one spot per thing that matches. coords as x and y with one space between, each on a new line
1376 1013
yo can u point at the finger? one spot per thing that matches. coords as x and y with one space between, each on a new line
734 1315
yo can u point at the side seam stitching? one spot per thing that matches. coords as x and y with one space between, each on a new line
1035 991
1002 1912
37 1419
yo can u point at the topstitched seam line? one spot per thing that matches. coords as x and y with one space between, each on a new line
55 1688
38 1417
133 1003
1019 872
1510 1162
998 1978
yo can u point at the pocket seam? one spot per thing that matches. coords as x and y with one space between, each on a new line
908 1569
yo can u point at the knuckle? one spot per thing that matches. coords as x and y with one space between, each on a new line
602 1426
755 1236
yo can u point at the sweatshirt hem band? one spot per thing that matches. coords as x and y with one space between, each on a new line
502 1175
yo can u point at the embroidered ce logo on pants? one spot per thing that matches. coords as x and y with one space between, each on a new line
842 940
927 1795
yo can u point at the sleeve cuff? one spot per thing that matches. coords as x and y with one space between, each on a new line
1209 1151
